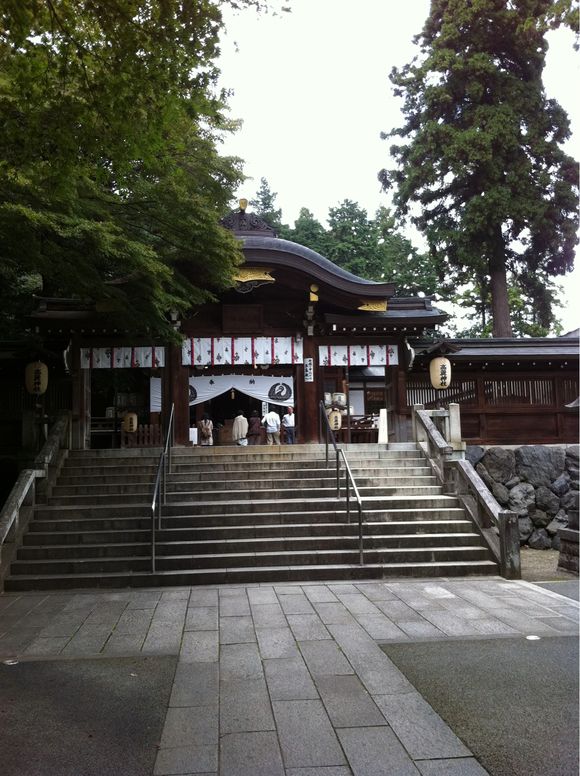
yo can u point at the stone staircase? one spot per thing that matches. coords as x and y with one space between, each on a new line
244 515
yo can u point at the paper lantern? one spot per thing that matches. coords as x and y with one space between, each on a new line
440 373
36 378
335 420
130 423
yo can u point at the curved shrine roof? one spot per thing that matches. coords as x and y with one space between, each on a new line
275 252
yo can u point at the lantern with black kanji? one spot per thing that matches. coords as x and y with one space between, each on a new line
36 378
440 373
130 423
335 419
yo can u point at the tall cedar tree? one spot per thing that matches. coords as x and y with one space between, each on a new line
483 156
264 204
111 185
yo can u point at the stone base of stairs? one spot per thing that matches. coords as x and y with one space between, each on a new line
272 574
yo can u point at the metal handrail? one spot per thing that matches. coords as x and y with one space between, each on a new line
349 479
160 488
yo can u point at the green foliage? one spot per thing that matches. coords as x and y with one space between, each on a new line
111 184
309 232
368 247
412 272
354 240
532 304
481 172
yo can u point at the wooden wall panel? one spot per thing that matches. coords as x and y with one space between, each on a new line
505 408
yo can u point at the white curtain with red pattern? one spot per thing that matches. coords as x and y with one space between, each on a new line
125 357
241 351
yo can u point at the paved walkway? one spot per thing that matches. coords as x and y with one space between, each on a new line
288 680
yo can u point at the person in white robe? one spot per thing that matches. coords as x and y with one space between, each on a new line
240 429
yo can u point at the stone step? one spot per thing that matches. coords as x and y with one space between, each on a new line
146 475
385 484
243 496
111 469
265 521
249 575
275 451
96 479
181 547
281 456
289 466
245 559
137 535
225 510
415 467
284 494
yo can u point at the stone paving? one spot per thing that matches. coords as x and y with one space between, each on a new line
289 680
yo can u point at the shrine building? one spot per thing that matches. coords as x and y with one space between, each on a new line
296 330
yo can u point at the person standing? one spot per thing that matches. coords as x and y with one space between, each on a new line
271 421
240 429
205 428
255 428
289 422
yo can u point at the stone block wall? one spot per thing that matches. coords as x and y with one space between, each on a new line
537 482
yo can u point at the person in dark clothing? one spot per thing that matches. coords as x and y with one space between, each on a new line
254 429
288 423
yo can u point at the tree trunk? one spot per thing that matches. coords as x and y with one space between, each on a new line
500 309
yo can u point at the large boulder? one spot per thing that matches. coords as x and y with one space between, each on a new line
540 465
522 497
526 527
547 500
561 485
560 521
500 463
501 493
573 456
574 478
539 518
513 482
569 501
539 540
474 454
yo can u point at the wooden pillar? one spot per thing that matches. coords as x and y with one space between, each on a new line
176 391
559 408
481 405
81 402
309 423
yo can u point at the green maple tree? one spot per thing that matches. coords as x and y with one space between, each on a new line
111 182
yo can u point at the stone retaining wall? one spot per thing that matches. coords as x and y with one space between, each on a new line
538 482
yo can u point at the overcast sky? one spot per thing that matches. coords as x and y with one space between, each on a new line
312 90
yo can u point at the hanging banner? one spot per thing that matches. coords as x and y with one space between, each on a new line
122 357
270 389
241 351
358 355
155 394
